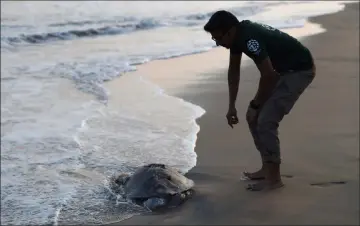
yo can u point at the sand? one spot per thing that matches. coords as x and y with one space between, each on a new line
319 138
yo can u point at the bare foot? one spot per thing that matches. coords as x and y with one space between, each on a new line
258 175
265 185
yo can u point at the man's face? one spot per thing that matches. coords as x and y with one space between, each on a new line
221 38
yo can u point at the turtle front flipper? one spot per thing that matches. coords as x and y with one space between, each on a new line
155 203
179 198
139 201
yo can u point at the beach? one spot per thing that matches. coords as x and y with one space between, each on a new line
93 89
319 138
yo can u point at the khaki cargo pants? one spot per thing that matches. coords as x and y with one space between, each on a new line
265 129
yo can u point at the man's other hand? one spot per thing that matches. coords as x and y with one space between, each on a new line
251 115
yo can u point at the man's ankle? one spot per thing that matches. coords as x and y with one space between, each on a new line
272 171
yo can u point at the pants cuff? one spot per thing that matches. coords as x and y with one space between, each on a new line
271 159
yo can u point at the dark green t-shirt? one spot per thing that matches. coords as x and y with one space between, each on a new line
258 41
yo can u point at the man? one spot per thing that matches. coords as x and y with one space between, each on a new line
286 68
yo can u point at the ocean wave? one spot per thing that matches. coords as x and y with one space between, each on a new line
15 26
92 22
80 33
240 12
121 25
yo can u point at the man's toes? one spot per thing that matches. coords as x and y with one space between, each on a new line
254 176
264 186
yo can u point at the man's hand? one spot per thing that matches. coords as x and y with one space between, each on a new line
252 112
231 117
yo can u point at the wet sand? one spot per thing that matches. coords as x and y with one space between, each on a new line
319 139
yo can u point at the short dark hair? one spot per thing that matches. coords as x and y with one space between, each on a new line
221 20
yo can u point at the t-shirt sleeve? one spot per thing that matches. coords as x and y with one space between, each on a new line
255 49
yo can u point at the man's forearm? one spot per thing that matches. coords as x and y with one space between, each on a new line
233 82
266 86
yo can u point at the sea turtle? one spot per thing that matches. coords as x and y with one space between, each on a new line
155 186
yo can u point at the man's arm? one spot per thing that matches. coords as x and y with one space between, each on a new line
234 77
269 78
256 49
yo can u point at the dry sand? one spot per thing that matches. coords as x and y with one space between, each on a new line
319 138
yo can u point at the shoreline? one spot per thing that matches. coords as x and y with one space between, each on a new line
155 72
306 159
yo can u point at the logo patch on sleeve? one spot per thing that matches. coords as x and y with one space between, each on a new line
253 46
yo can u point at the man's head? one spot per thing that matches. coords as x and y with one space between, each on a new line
221 26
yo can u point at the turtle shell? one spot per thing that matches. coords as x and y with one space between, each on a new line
156 180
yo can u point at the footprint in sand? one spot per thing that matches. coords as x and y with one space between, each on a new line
327 184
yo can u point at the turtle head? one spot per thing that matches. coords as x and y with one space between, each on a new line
122 179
